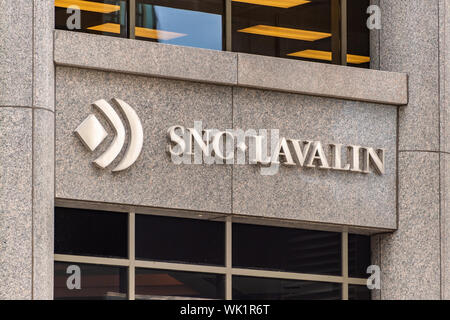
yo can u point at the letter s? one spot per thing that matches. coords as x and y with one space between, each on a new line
178 140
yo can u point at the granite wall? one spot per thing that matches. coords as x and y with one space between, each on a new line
26 149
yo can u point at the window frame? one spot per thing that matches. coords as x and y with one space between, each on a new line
228 270
338 28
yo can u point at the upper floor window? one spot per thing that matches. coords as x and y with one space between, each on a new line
313 30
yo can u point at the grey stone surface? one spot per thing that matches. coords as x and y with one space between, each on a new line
43 203
43 69
151 59
444 45
375 251
410 43
15 203
153 180
310 194
321 79
375 44
16 53
445 225
410 257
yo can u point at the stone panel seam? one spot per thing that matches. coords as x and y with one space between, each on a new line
27 107
32 144
440 144
423 151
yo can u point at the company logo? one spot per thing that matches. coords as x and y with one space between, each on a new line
92 134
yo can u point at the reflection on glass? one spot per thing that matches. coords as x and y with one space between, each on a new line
180 240
286 249
194 23
281 28
108 17
358 293
98 282
252 288
358 255
154 284
91 233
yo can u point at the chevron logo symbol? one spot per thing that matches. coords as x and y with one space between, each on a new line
92 134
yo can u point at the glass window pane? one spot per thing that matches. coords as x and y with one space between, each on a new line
91 233
358 41
252 288
288 29
108 17
358 255
194 23
167 285
180 240
286 249
358 293
97 282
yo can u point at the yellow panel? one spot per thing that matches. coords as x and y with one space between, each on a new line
140 32
107 27
276 3
288 33
351 58
88 6
326 56
157 34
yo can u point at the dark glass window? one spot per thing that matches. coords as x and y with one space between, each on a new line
286 249
108 17
358 42
252 288
91 233
358 293
295 29
194 23
164 284
287 29
180 240
97 282
358 255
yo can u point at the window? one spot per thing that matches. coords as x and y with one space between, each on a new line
328 31
151 256
194 23
107 17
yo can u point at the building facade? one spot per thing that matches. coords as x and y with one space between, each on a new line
106 112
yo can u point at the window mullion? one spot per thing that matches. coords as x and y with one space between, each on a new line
131 256
345 265
228 258
339 31
132 19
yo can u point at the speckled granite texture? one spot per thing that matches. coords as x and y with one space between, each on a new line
418 55
26 149
15 203
43 73
410 257
16 53
317 195
445 225
341 198
414 259
43 203
175 62
153 180
336 82
163 60
444 33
